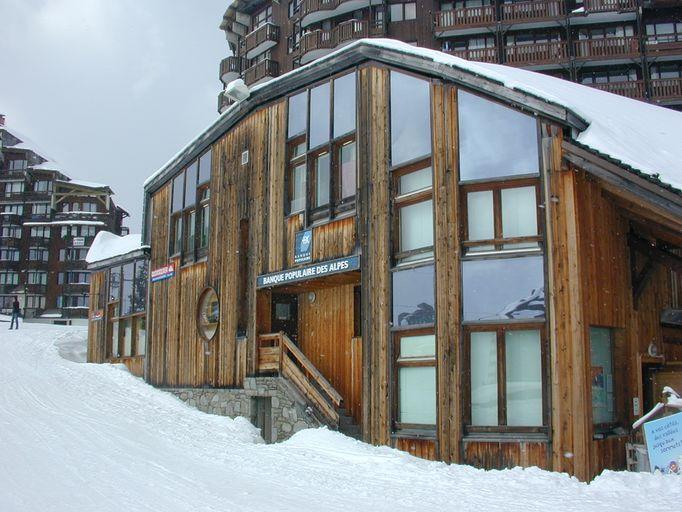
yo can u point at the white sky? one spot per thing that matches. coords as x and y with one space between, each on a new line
111 89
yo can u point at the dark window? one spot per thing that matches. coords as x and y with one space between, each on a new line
602 376
191 184
127 277
178 192
483 125
140 286
205 162
410 118
413 297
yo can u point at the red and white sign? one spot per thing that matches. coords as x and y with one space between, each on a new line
97 315
165 272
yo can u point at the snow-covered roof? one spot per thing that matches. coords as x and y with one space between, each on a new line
26 143
642 136
107 245
83 183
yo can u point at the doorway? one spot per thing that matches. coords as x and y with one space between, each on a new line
285 315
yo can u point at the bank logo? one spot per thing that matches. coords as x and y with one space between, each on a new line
303 250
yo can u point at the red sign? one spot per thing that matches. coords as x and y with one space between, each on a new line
165 272
97 315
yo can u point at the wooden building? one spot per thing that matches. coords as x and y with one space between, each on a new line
477 265
117 325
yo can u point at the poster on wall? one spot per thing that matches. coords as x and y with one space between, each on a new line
161 273
303 248
664 444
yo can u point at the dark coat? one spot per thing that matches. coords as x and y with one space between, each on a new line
15 307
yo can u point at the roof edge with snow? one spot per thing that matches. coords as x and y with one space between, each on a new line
109 249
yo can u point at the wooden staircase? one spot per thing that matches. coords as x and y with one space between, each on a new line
278 354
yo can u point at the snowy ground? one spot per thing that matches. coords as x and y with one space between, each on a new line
81 437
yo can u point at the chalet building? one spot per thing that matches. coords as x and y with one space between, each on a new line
47 223
119 270
628 47
469 262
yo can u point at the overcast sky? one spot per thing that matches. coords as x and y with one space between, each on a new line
111 89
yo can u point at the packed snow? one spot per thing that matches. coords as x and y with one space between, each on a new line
84 437
108 245
640 135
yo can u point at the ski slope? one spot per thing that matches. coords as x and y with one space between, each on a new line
83 437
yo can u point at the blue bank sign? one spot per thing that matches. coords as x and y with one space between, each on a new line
321 269
664 444
303 249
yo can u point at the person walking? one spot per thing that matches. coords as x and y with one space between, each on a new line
16 312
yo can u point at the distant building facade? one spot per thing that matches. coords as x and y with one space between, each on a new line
628 47
47 223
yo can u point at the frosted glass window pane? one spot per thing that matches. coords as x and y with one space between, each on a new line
501 289
298 196
127 337
416 226
298 111
410 118
141 336
418 180
417 346
417 395
484 378
601 355
524 378
519 212
344 105
319 114
495 141
322 180
413 296
480 215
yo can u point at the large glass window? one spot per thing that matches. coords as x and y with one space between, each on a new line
321 173
191 184
297 187
601 357
414 211
413 297
410 118
347 170
319 115
502 289
205 162
495 141
178 192
298 113
416 367
344 100
127 277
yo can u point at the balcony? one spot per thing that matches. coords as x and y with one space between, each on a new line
231 68
537 54
664 45
464 20
634 89
666 90
476 54
11 218
317 43
260 40
595 6
313 11
610 48
532 12
264 70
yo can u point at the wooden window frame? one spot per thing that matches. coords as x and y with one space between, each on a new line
499 241
292 163
500 329
203 209
402 200
414 428
619 400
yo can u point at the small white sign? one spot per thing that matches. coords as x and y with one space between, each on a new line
245 157
635 406
78 241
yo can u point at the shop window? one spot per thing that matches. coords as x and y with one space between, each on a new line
484 124
602 376
505 377
208 314
416 379
126 331
502 289
413 297
413 234
410 120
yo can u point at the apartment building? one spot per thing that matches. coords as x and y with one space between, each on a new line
628 47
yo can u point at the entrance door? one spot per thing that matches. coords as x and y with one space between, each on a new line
285 315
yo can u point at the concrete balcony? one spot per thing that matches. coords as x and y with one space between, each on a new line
476 54
463 21
317 43
261 72
609 48
260 40
231 68
634 89
540 55
313 11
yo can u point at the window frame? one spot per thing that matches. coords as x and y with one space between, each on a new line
114 316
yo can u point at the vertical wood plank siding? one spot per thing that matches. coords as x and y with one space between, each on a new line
97 349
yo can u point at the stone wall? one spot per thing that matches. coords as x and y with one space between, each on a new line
288 412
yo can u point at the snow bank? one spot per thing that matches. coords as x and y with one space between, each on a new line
642 136
83 437
108 245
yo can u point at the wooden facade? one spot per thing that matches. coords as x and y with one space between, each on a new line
595 275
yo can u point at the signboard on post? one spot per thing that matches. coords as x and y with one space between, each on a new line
321 269
303 248
161 273
664 444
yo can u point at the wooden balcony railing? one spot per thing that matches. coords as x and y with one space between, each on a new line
664 45
477 54
465 17
533 11
278 354
634 89
232 67
666 88
342 33
538 53
607 47
609 5
267 68
267 32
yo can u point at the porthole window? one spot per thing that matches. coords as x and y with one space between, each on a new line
208 314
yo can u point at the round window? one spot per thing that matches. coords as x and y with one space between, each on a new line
209 314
